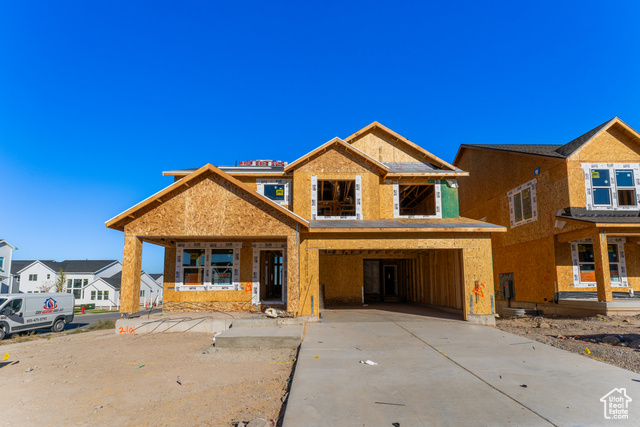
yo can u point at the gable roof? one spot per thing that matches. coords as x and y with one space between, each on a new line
156 276
401 139
8 244
19 265
562 151
69 266
118 222
337 142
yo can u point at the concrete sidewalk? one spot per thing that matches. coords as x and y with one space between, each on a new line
441 371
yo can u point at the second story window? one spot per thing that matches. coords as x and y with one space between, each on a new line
612 186
275 189
33 277
1 263
417 200
336 199
523 206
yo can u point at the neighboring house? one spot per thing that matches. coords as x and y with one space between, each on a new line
6 256
572 213
38 276
373 217
159 279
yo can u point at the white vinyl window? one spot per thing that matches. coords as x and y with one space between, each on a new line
202 266
277 190
1 263
33 277
336 198
584 265
612 186
523 204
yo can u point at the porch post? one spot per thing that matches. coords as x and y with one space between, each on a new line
293 276
603 274
131 269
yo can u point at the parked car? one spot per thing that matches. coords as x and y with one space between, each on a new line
25 312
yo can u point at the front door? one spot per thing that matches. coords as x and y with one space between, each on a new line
271 268
390 280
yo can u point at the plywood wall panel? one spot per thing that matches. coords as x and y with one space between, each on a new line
385 148
131 268
211 206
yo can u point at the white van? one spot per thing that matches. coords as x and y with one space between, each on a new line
24 312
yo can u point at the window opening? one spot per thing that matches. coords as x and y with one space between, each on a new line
417 200
193 263
523 204
336 198
626 187
585 266
221 266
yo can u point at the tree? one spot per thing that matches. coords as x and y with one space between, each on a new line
45 287
61 281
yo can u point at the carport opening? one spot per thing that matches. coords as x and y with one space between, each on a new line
430 277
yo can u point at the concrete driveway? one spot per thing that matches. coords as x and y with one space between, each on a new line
435 370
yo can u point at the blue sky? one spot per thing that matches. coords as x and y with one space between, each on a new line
98 98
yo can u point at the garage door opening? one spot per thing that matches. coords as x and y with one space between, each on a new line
430 277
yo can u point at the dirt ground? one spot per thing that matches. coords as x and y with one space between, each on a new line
156 379
584 336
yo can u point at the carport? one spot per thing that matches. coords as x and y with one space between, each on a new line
429 277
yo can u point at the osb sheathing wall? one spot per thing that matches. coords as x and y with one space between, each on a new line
213 209
336 164
477 269
492 175
385 148
612 146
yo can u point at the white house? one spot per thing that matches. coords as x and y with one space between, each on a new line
6 255
104 292
40 276
91 281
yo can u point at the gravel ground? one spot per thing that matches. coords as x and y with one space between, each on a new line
584 336
169 379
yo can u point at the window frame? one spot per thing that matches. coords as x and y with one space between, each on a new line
207 284
260 183
622 267
613 187
437 183
2 263
33 277
357 201
511 195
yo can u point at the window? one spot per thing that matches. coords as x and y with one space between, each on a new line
207 266
142 293
612 186
1 263
48 276
16 305
99 295
584 267
33 277
93 295
417 200
277 190
221 266
106 295
193 263
523 205
336 199
74 286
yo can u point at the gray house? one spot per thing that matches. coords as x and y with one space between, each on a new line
6 255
